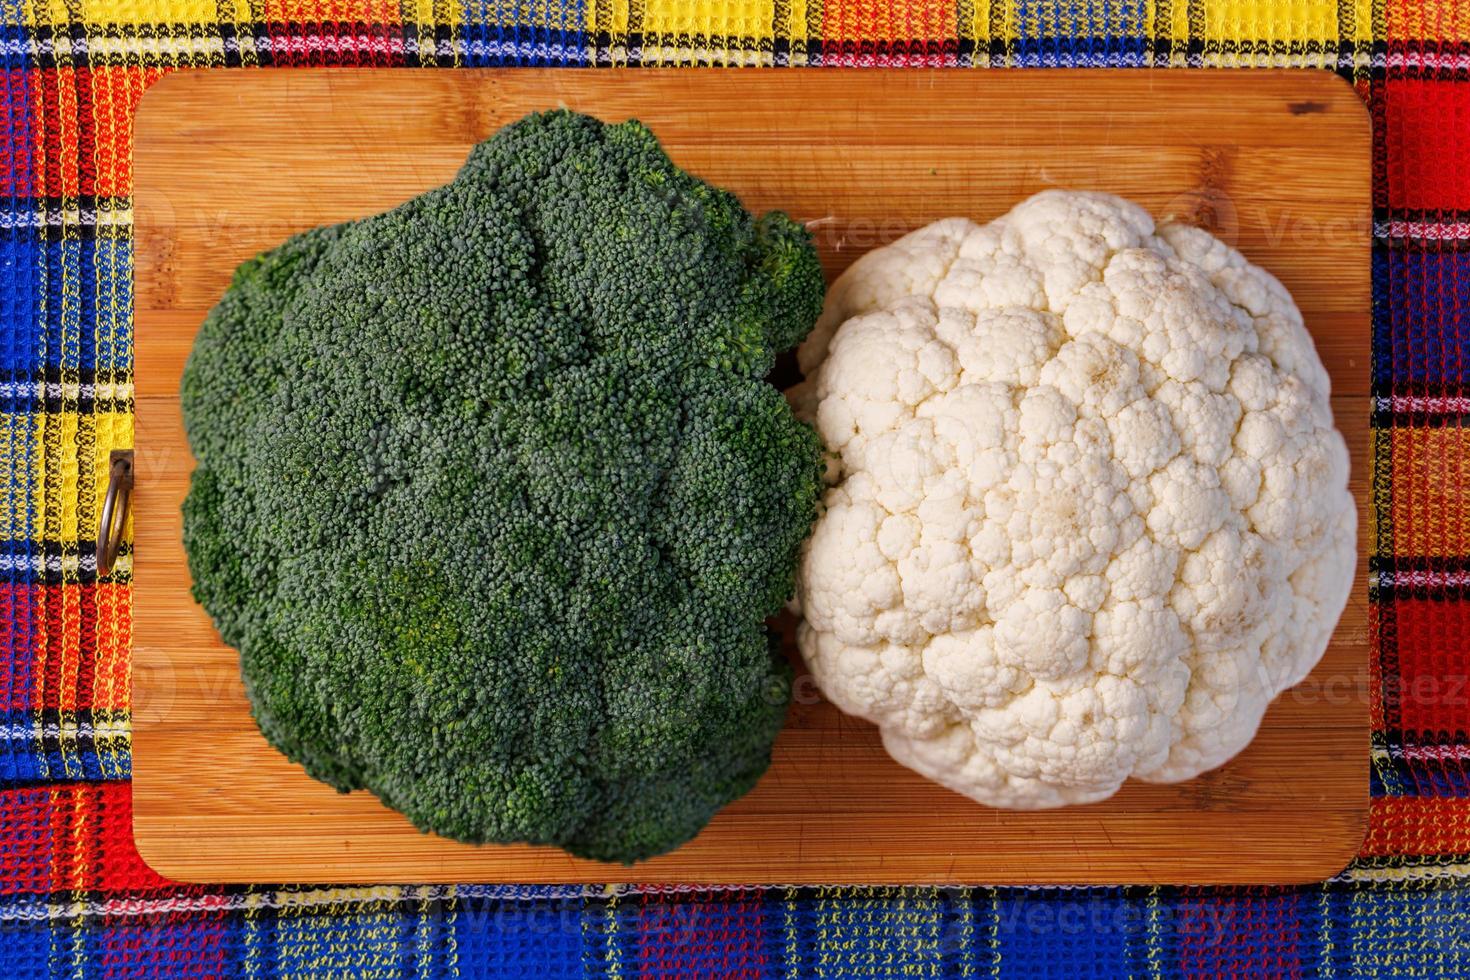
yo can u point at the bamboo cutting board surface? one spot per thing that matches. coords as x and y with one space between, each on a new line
230 163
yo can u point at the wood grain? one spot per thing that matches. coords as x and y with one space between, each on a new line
228 164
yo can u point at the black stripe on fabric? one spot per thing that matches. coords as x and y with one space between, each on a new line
781 31
48 233
1409 863
88 204
1194 50
31 391
1162 42
1390 419
1423 215
86 572
53 404
916 49
52 374
1411 564
965 44
72 742
781 52
96 717
1420 389
703 51
1399 739
1392 579
602 39
1427 246
602 46
231 41
1394 742
999 49
53 557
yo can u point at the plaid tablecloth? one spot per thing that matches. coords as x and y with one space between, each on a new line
76 900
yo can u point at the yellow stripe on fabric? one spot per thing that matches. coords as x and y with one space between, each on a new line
607 15
790 916
1153 949
720 32
1271 20
797 27
1367 20
1178 25
972 20
69 452
992 932
1428 510
709 18
614 961
1325 948
81 822
440 12
451 922
122 13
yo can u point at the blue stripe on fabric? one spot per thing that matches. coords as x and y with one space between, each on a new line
113 321
1421 316
32 747
27 950
70 296
1084 934
20 332
1081 33
1422 777
538 937
524 33
15 40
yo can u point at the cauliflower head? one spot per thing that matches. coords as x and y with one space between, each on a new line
1087 512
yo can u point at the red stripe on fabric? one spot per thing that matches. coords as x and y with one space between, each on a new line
175 945
74 837
18 621
83 682
63 874
1436 20
25 841
1426 140
48 693
112 95
1377 707
1240 933
867 34
84 633
689 933
15 171
1404 826
1433 683
113 646
58 131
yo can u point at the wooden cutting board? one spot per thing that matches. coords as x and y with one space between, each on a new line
230 163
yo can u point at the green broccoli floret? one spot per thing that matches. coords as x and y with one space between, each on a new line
494 499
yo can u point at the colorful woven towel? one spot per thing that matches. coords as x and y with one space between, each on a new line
76 900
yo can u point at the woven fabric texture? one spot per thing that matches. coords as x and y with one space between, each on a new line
75 899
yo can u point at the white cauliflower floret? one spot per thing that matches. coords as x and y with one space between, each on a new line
1088 513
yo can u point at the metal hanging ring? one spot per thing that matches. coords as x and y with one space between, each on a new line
115 508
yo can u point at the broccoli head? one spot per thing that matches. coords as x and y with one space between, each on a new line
494 499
